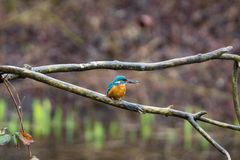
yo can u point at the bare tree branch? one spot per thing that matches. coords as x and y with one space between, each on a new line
235 90
221 53
168 111
219 124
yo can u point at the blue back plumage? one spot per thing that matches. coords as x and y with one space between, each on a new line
117 80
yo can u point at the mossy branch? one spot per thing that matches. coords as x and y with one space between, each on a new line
235 90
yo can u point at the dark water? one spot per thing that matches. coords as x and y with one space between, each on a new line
120 149
144 138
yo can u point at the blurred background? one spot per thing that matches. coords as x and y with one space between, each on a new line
66 126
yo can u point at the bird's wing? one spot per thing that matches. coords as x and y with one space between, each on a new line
109 87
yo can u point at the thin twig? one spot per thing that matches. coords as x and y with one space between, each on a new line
18 108
235 90
19 101
12 86
15 103
219 124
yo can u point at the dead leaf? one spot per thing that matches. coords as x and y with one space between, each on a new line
26 138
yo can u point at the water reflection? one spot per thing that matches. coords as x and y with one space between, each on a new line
117 150
67 137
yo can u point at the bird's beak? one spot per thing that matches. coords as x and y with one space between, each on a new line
132 81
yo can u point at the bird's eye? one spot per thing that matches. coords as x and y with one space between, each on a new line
120 81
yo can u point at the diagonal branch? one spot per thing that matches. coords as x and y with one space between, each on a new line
222 53
192 121
167 111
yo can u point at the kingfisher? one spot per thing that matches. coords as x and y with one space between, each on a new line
117 88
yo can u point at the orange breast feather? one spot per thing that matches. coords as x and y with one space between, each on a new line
117 92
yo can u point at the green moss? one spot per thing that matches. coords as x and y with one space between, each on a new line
187 131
